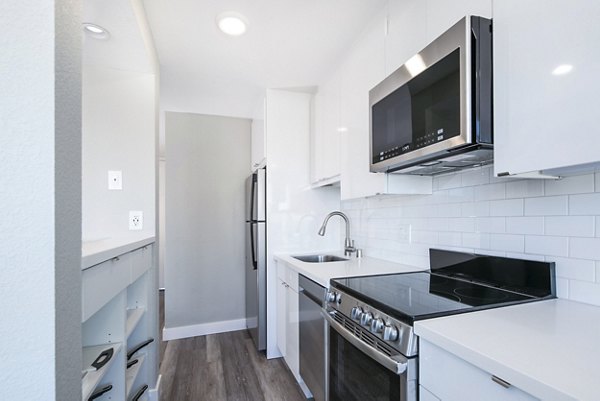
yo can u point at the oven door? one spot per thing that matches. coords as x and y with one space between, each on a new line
358 371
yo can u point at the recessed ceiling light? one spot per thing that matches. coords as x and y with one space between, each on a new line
562 69
95 31
232 23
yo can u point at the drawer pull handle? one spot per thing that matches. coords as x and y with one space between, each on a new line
116 259
501 382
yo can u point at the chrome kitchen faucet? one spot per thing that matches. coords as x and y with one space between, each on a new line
348 243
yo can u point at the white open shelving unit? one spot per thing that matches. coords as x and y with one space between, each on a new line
120 311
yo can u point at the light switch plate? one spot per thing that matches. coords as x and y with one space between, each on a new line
115 180
136 219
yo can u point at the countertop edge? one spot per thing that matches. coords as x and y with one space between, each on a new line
513 375
110 248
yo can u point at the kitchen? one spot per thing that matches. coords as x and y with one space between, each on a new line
537 201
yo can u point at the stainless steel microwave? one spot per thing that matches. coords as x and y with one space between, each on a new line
434 113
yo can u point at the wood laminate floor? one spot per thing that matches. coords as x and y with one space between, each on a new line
223 367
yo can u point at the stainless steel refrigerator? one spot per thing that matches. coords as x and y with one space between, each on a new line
256 264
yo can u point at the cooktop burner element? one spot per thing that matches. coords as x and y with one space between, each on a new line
457 283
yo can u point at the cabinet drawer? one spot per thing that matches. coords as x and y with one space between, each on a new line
141 262
102 282
281 270
292 279
453 379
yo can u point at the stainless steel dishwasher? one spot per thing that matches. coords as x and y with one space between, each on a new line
313 337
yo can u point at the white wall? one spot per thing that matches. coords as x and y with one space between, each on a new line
294 210
40 238
473 211
207 163
119 133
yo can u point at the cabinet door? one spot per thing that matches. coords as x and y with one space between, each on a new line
292 349
258 143
545 84
325 146
442 14
465 383
281 316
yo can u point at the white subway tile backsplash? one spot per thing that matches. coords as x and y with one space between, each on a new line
574 269
477 176
584 291
547 245
490 192
547 206
586 204
509 207
525 225
524 189
450 239
490 224
562 288
473 211
570 185
572 226
476 240
584 248
507 242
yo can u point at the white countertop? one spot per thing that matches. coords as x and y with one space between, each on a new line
549 349
323 272
98 251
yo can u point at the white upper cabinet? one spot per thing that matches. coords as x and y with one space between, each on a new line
364 68
546 85
258 143
442 14
406 32
325 141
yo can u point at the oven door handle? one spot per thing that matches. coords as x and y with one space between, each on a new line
396 363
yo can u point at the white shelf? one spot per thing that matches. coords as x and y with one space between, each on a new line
132 373
133 318
90 381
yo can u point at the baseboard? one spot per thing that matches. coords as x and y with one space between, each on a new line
175 333
154 394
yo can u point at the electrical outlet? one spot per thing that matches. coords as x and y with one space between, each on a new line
404 233
115 180
136 219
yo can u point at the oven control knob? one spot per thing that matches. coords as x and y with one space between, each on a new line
331 296
390 333
377 325
356 312
338 298
365 318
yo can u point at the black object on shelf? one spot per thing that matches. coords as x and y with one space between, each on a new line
140 392
103 358
138 347
99 393
130 364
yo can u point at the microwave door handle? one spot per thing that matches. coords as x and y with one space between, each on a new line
396 363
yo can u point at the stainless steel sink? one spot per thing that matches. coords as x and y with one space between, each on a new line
319 258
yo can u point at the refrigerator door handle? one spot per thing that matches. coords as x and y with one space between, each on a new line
253 246
253 217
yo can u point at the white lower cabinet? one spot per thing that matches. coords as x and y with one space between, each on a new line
120 313
445 377
288 339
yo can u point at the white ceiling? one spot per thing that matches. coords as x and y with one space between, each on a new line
289 43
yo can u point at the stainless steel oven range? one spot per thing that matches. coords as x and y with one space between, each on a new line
373 351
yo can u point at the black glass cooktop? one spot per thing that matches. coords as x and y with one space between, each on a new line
457 283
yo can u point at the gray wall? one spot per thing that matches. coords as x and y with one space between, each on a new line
207 163
40 196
